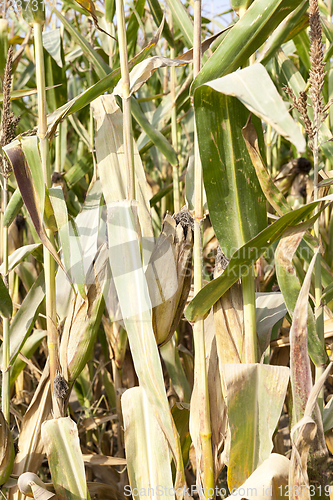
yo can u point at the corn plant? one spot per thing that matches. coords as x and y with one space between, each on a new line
166 262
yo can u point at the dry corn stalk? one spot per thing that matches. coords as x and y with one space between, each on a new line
169 274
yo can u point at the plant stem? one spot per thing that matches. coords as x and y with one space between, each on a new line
49 265
319 311
57 162
175 169
249 307
200 374
127 125
5 401
269 147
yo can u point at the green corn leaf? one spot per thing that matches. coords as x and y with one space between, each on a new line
327 295
255 89
52 44
182 20
96 60
133 26
20 254
302 43
283 32
14 206
3 45
255 395
107 82
157 14
25 318
236 203
78 171
242 259
28 349
175 369
248 34
6 305
155 135
18 94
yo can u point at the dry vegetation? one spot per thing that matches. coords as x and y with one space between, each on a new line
166 255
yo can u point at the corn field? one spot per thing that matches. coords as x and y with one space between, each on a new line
166 277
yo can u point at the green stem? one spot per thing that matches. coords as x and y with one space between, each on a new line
175 169
206 474
249 307
5 401
49 265
91 117
269 147
57 163
127 116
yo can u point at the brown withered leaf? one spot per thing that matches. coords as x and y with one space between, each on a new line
229 318
218 408
95 459
310 433
272 193
188 56
15 154
301 377
89 6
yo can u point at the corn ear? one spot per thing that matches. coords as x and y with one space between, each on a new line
169 274
83 320
7 453
61 440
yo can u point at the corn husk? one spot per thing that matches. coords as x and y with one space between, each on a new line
169 274
229 319
83 320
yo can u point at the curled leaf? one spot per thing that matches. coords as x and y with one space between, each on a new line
19 163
